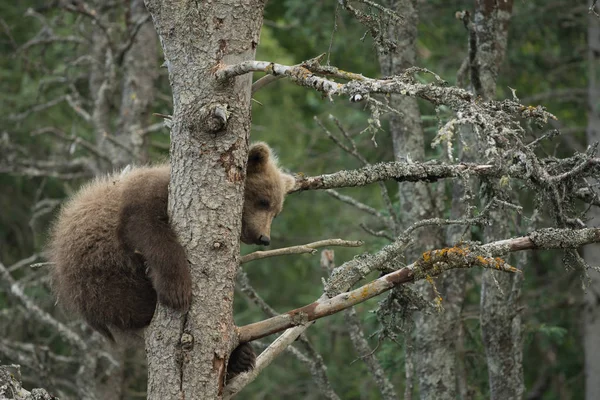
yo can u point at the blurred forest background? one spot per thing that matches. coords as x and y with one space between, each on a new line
64 110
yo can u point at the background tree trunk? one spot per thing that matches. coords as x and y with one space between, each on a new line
187 354
591 312
500 319
140 73
434 351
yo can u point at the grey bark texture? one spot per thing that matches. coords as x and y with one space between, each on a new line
434 351
187 354
11 387
500 321
591 311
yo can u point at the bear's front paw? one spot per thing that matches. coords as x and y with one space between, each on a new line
175 291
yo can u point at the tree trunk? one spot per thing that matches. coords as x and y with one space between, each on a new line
591 312
434 336
500 293
187 354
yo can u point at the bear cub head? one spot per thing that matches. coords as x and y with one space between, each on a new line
266 187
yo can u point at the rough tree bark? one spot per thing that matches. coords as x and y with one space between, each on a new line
591 312
500 320
434 335
187 354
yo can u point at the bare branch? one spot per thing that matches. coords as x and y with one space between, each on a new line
302 249
78 108
37 108
21 263
589 196
33 310
124 48
361 206
355 153
366 354
75 139
381 233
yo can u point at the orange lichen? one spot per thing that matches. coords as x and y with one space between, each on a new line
427 256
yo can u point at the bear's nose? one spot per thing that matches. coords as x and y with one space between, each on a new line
264 240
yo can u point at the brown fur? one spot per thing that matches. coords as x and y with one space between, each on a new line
114 252
266 188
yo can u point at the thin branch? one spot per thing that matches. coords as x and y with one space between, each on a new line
361 206
381 233
360 343
592 9
124 48
243 284
75 139
78 108
37 108
153 128
317 370
33 310
118 143
82 8
26 261
264 81
367 355
576 170
302 249
356 154
589 196
65 171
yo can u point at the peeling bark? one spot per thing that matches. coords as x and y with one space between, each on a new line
187 354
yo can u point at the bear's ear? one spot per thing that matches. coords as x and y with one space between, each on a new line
288 182
258 157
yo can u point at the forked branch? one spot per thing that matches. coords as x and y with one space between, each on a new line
432 263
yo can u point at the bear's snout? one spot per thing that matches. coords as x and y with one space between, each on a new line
264 240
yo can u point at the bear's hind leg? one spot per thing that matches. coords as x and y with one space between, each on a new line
242 359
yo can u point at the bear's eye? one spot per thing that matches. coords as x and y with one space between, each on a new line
264 204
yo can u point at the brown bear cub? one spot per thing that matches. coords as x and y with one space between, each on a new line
114 252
